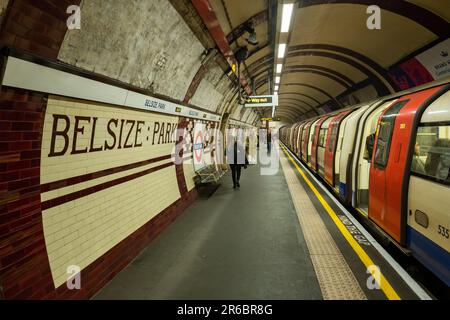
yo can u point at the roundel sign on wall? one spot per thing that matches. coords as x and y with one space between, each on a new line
198 146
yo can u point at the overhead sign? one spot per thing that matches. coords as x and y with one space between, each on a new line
261 101
271 119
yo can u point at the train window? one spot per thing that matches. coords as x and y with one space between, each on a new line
322 136
385 130
334 133
431 158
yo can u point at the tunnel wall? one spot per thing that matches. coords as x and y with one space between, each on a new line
51 206
98 185
105 172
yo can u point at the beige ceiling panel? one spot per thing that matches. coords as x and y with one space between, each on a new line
299 108
258 55
241 10
439 7
336 65
290 95
330 86
221 15
291 109
344 25
264 89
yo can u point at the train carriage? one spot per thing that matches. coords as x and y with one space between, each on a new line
390 160
428 222
333 146
312 133
323 132
305 140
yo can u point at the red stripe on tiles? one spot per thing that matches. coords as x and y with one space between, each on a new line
98 273
94 175
85 192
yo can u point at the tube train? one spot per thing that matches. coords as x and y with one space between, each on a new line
389 159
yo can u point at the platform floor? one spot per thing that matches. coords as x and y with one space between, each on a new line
248 243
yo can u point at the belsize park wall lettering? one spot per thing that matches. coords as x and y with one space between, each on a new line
79 134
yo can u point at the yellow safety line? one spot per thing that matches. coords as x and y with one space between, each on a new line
384 285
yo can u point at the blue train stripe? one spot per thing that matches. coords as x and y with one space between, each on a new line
432 256
343 190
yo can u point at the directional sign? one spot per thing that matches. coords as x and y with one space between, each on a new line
271 119
261 101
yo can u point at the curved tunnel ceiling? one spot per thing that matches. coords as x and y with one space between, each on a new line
330 51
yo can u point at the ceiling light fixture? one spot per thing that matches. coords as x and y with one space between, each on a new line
286 19
279 67
276 88
277 80
281 50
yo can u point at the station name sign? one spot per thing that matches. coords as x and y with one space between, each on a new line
261 101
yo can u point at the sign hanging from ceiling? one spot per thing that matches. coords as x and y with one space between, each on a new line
271 119
261 101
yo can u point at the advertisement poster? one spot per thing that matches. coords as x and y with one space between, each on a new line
437 60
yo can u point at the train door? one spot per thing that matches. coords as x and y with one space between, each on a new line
363 152
299 140
338 153
294 139
291 132
331 146
387 172
350 124
305 138
315 143
321 146
310 139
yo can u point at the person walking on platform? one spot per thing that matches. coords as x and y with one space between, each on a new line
269 141
237 159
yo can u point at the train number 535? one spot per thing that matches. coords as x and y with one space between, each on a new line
443 231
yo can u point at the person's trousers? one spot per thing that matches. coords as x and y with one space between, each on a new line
235 172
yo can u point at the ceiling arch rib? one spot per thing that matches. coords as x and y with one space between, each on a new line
261 73
300 94
255 51
294 111
418 14
302 107
381 87
317 89
287 118
302 103
292 116
333 72
296 100
320 73
261 61
295 106
363 59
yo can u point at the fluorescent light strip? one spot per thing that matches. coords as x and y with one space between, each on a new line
279 67
277 80
286 19
281 50
276 88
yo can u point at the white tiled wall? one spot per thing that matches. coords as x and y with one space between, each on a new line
80 231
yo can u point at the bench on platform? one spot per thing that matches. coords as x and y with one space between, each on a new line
207 179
